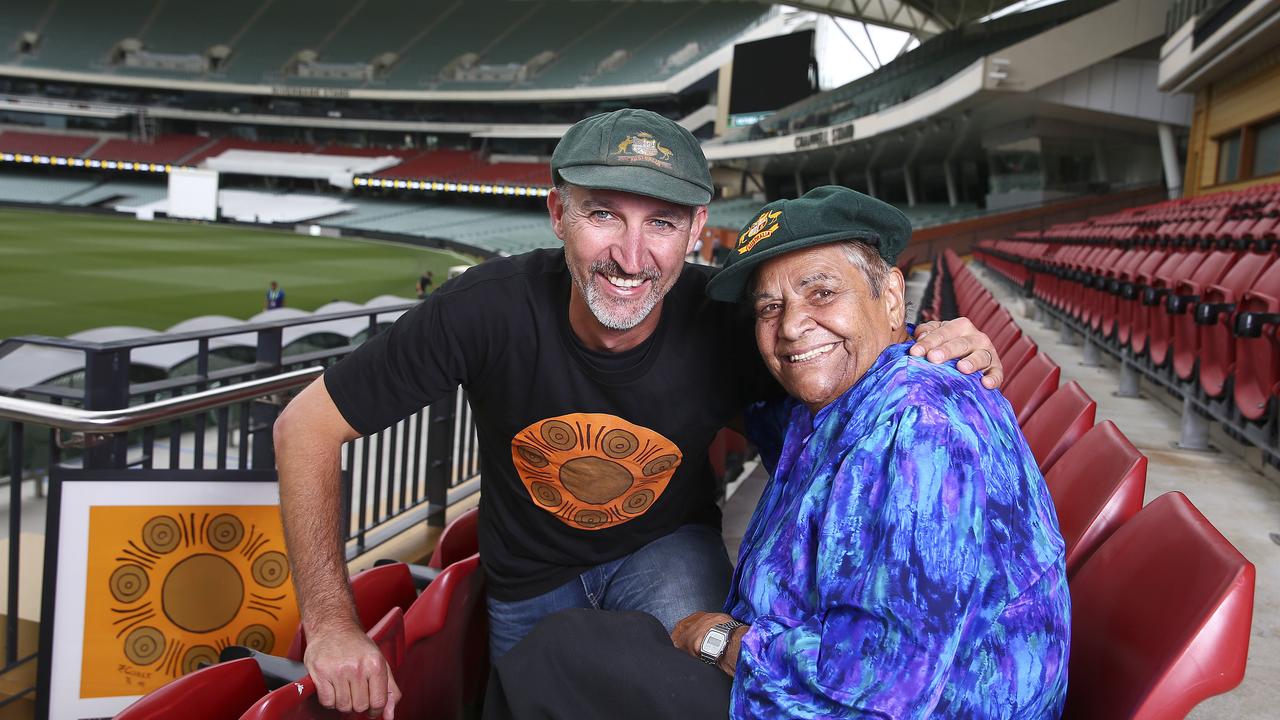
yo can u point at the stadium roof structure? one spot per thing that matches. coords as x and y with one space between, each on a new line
918 17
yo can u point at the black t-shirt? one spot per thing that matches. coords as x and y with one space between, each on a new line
586 456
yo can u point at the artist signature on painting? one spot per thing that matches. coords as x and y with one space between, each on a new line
130 671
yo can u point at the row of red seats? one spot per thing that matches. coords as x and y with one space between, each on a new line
436 644
1204 218
1161 601
467 166
445 165
31 143
1204 317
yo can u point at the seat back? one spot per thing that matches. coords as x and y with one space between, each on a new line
1257 369
376 591
1186 334
443 669
1160 617
1130 306
1160 320
1144 315
1097 485
460 540
1034 383
298 700
225 690
1217 351
1062 420
1005 337
1022 350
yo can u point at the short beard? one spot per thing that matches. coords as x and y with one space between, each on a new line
609 312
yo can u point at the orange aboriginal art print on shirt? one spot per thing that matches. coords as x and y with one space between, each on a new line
593 471
169 587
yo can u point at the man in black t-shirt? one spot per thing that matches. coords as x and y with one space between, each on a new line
597 374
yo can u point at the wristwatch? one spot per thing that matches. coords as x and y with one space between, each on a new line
716 641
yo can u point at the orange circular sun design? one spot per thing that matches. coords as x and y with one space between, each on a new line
184 585
591 470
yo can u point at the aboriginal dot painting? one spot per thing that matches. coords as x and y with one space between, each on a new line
169 587
593 471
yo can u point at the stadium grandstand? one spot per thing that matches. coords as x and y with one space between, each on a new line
1095 184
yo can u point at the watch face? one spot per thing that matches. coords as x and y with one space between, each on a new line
714 643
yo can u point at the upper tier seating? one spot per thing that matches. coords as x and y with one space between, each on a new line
31 143
164 149
396 44
925 67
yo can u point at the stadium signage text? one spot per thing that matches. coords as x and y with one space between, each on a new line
825 137
313 92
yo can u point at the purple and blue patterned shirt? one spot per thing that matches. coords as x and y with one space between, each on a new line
904 561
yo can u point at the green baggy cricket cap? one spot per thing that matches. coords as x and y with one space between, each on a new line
634 151
823 215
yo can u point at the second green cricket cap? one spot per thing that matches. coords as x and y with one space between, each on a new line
634 151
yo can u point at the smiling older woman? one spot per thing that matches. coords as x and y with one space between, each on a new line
905 559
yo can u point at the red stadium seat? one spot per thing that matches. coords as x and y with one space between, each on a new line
1125 274
1215 315
459 540
1006 337
1129 303
1181 304
1257 369
376 591
441 672
1062 420
1153 286
1033 384
1160 617
298 701
1096 486
1022 350
217 692
1159 319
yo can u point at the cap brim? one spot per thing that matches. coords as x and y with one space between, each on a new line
730 284
639 180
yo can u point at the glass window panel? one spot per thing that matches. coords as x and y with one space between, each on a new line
1266 149
1229 158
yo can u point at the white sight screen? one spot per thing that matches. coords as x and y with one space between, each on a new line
193 194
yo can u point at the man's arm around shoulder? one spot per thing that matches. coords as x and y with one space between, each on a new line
349 671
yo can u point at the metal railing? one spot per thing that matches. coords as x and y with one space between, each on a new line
220 415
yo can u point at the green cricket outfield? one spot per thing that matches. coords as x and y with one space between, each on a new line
62 272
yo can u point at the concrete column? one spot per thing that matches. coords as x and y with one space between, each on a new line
1169 152
799 183
1130 381
1091 354
910 182
871 183
950 173
1066 335
1195 428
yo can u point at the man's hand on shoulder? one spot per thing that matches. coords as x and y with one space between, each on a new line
959 339
351 674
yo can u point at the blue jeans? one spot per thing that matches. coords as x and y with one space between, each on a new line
670 578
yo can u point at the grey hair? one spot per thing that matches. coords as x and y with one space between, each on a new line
867 259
